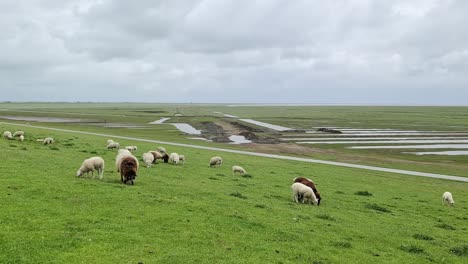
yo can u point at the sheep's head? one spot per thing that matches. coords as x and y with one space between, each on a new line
130 176
79 173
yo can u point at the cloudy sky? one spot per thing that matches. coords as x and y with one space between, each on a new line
228 51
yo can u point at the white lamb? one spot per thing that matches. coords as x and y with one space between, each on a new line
131 148
18 133
21 138
216 161
48 140
7 135
148 158
113 145
174 158
447 198
182 159
302 192
91 164
238 169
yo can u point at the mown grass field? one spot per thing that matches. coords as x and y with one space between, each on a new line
196 214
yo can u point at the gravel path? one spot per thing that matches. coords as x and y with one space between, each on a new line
349 165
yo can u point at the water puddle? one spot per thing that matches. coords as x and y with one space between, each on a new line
367 138
386 141
435 146
186 128
447 153
263 124
236 139
391 134
160 121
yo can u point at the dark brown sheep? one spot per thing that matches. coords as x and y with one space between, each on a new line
157 155
310 184
166 158
128 169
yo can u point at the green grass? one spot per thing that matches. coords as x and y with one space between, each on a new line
197 214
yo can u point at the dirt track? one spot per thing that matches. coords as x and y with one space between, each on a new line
341 164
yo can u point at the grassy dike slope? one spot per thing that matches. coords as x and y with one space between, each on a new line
197 214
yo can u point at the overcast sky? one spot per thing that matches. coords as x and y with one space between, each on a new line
245 51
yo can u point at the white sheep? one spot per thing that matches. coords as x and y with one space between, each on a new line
7 135
91 164
148 158
18 133
302 191
182 159
162 150
216 161
174 158
238 169
109 141
48 140
447 198
113 145
21 138
131 148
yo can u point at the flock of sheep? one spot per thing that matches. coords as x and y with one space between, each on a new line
303 189
20 135
127 164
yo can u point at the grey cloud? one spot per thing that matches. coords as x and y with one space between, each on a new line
235 51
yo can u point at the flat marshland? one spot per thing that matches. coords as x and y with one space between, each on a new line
192 213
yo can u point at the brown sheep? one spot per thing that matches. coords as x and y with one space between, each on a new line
166 158
310 184
157 155
128 169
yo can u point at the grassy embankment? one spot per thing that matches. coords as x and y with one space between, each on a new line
197 214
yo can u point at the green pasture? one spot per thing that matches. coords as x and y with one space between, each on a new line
197 214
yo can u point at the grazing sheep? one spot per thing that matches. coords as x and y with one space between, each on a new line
447 198
148 158
311 184
216 161
21 138
128 168
47 141
113 145
182 159
118 159
131 148
156 155
7 135
162 150
174 158
238 169
165 158
91 164
109 141
18 133
302 191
